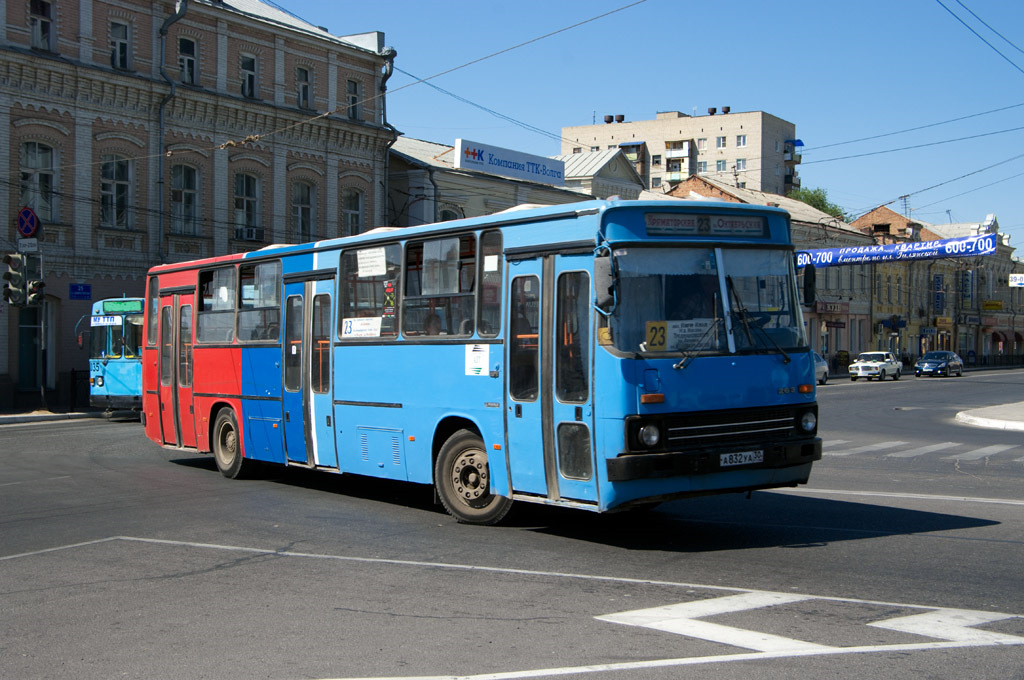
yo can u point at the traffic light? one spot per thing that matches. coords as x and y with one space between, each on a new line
14 278
34 294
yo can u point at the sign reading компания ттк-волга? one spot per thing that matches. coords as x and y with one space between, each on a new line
507 163
965 246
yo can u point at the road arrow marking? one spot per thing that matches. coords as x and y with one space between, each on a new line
681 619
954 625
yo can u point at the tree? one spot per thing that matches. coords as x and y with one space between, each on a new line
818 198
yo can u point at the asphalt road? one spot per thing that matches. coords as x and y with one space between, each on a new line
122 559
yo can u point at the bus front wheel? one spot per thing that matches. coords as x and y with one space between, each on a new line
226 447
463 480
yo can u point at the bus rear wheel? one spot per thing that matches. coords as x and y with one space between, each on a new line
463 480
226 449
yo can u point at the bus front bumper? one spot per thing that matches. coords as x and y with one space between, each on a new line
674 464
115 402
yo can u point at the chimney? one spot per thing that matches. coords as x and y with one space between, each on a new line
726 109
619 118
607 119
712 111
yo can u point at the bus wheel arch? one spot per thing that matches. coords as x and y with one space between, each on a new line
462 479
226 444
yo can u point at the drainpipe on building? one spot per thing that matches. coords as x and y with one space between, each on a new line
389 54
178 14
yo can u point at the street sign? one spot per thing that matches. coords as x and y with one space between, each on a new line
79 291
1017 280
27 222
28 245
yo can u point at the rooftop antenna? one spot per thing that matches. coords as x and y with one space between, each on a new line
949 216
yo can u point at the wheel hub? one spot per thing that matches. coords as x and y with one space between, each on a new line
469 477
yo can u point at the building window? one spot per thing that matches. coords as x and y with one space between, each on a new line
41 22
119 45
352 90
719 142
248 69
302 88
899 290
37 179
741 163
351 211
595 148
720 166
702 167
741 140
577 149
888 289
184 200
302 211
115 183
187 61
741 185
656 160
247 204
613 146
702 144
655 181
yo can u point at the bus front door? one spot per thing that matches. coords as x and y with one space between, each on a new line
307 395
550 406
177 417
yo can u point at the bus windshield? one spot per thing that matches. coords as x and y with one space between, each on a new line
116 336
705 300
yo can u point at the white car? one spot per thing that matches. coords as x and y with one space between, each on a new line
820 369
879 365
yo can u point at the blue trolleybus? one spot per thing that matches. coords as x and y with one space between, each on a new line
599 355
115 354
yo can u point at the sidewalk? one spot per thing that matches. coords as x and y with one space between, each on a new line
40 416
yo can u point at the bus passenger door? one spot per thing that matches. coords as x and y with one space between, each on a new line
549 408
177 420
307 395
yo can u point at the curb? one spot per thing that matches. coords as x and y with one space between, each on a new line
990 423
45 417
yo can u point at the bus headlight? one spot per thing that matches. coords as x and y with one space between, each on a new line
650 435
99 381
808 421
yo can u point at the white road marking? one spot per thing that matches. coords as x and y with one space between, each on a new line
881 446
893 494
681 619
983 452
953 624
921 450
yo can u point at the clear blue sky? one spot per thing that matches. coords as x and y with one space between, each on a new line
840 71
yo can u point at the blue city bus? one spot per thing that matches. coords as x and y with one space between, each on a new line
115 354
601 355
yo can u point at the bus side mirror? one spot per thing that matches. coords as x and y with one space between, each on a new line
604 283
809 284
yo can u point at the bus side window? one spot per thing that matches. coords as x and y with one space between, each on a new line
440 280
524 321
489 296
216 305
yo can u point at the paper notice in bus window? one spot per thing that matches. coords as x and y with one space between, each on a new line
490 263
477 359
674 336
359 327
372 262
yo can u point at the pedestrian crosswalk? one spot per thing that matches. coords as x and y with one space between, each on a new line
947 451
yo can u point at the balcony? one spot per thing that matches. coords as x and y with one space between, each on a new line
676 176
677 153
791 157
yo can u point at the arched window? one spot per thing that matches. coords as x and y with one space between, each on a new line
115 189
303 200
899 290
888 289
37 179
184 200
247 208
878 287
351 211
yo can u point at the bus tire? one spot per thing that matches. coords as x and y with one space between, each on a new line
226 446
462 478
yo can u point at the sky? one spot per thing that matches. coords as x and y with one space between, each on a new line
914 104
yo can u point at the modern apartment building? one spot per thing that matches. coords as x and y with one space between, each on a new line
752 150
142 132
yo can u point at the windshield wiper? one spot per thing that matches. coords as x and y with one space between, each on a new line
749 322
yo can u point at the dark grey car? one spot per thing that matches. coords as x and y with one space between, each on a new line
939 362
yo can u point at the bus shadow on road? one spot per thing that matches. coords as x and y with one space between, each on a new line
731 522
726 522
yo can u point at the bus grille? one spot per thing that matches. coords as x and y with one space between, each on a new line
710 428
